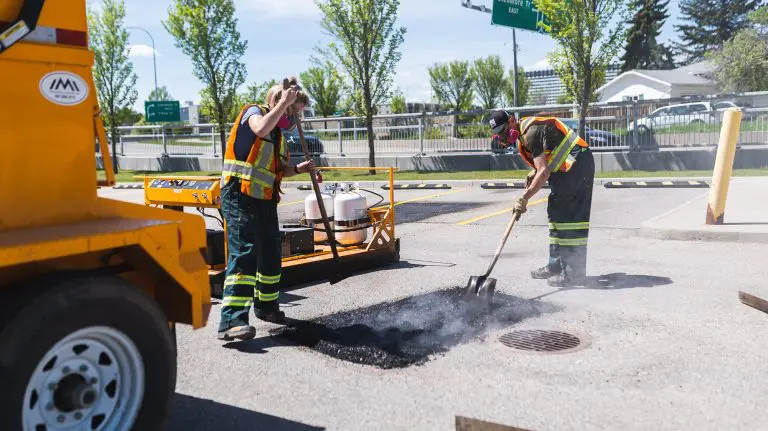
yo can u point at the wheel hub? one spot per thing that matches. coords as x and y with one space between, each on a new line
93 379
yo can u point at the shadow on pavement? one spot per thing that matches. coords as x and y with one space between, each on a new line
615 281
197 414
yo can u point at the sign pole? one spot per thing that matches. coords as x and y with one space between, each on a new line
514 65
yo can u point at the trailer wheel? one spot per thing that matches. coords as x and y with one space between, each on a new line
87 353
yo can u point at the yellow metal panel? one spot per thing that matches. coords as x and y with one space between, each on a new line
48 168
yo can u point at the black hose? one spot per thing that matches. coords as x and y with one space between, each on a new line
202 211
374 193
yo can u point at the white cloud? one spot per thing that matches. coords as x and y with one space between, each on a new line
141 51
279 8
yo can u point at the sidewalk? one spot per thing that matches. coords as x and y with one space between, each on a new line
746 216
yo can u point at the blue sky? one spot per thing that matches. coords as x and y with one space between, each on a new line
281 35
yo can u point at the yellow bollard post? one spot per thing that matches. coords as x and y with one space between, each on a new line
721 176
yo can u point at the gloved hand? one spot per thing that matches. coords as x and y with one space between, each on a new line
529 179
521 206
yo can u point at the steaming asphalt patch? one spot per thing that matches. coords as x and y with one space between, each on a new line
409 331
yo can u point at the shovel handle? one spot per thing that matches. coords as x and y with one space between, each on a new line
515 218
320 203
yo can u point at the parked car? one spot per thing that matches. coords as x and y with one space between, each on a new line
746 112
595 138
314 145
675 115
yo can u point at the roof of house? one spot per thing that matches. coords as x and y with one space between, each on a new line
688 75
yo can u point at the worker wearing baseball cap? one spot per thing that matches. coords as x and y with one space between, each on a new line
558 155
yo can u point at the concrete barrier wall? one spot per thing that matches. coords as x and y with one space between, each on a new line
746 158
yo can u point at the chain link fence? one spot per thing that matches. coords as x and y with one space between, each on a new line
633 125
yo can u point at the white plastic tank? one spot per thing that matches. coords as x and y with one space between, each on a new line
312 213
351 214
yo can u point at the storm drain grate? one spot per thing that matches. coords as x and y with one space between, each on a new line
538 340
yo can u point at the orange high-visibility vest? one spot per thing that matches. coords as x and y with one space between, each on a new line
559 159
260 174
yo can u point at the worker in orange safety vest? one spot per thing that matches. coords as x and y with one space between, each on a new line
255 162
558 155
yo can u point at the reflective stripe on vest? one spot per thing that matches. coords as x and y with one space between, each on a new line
259 174
561 156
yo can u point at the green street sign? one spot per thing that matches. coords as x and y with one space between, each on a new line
162 111
521 14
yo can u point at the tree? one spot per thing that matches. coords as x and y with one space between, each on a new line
489 83
128 117
113 73
398 103
587 43
325 86
709 24
742 63
206 31
257 93
538 97
642 49
161 93
523 85
366 45
452 83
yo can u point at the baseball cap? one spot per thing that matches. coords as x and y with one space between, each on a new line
498 120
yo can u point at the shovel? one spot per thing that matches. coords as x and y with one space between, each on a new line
335 274
482 286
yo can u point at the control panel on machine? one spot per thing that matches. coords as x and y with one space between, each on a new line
190 191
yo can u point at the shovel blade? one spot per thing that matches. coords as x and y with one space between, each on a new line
473 285
487 289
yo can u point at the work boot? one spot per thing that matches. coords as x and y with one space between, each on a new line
270 312
546 271
242 333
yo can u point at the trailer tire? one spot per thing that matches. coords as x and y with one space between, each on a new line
78 350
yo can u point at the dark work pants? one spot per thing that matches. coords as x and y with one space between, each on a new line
254 249
569 207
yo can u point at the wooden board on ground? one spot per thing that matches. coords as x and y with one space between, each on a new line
468 424
754 301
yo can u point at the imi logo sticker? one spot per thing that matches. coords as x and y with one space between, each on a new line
64 88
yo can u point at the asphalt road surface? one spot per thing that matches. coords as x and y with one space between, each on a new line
665 342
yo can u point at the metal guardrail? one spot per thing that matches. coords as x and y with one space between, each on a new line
638 125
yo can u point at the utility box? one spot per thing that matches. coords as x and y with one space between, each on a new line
297 240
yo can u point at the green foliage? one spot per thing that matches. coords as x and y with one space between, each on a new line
489 83
257 93
642 49
742 63
587 43
206 31
126 116
325 86
708 24
161 93
523 85
113 73
563 99
398 103
366 44
452 84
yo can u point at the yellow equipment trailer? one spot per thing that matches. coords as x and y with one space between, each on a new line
90 288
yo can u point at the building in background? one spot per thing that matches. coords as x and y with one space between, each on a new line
692 80
190 113
546 87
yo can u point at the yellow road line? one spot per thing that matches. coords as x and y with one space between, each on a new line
483 217
422 198
290 203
